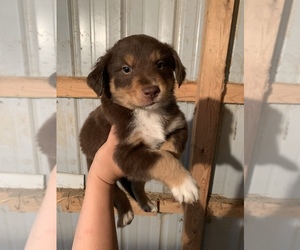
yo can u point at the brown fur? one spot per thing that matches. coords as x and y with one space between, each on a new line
138 74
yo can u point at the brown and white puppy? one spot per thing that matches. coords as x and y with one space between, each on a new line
135 80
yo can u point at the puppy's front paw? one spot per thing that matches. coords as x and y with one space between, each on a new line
125 219
187 191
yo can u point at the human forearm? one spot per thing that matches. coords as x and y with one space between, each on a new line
96 226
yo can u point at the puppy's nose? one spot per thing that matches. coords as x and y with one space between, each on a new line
151 92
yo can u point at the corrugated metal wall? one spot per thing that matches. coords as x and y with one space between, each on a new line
87 29
275 168
28 40
84 30
27 48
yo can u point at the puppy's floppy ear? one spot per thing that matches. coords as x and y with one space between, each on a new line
98 79
179 68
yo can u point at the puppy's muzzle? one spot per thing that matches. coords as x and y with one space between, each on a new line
151 92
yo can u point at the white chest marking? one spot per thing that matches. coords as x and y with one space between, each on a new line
149 127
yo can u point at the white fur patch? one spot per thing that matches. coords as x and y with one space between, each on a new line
149 126
187 192
149 207
125 219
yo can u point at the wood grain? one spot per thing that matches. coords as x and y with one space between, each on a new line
209 96
76 87
31 87
260 206
70 200
22 200
284 93
262 20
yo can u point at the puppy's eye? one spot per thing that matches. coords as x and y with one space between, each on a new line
161 65
126 70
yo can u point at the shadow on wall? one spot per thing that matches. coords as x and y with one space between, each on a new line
272 182
273 171
230 228
46 139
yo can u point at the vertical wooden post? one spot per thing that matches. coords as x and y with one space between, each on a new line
262 21
218 18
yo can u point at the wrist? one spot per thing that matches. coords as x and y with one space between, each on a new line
96 177
103 172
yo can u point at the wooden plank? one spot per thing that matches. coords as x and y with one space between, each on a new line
32 87
209 96
76 87
260 206
219 206
262 20
21 200
284 93
70 200
234 93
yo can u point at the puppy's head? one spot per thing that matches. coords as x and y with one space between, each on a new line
137 72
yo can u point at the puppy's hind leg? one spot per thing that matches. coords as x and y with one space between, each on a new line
122 204
138 188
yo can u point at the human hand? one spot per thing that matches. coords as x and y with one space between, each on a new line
103 166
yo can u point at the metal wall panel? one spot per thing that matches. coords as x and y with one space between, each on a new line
145 232
21 122
224 233
160 232
15 228
66 226
236 70
88 28
288 46
229 158
276 172
28 40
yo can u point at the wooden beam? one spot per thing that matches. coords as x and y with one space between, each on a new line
234 93
27 87
70 200
260 206
209 96
284 93
21 200
219 206
76 87
262 21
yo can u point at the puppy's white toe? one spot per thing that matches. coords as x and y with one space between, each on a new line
149 207
125 219
186 192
